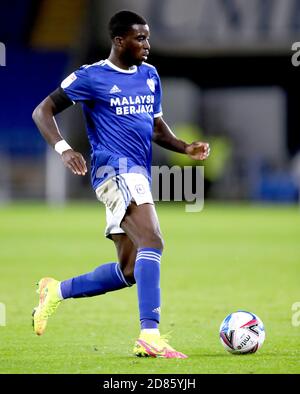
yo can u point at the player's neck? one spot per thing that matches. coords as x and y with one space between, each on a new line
117 61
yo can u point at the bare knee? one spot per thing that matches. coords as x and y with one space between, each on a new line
126 256
128 272
127 263
141 225
151 240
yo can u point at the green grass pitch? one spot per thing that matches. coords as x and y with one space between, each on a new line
225 258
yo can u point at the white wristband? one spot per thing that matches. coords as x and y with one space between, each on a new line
61 146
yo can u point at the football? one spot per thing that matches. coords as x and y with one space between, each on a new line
242 332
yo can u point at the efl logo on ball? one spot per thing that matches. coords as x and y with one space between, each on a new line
242 332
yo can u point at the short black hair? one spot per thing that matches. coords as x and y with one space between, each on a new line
121 22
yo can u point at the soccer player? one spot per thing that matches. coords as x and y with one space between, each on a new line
121 100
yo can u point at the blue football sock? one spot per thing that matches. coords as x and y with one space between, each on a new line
107 277
147 276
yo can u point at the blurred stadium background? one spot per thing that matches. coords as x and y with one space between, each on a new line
227 78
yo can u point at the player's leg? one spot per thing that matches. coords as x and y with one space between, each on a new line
105 278
142 226
126 251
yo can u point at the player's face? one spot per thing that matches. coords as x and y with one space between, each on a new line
136 45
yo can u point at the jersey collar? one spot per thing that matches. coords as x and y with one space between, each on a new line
130 71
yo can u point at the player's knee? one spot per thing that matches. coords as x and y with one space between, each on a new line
161 243
127 263
128 273
152 240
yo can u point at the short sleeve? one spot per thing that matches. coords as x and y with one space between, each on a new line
77 85
157 98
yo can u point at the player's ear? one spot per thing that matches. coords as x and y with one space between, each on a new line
118 41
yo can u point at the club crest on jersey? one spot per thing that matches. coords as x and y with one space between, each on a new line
151 84
140 189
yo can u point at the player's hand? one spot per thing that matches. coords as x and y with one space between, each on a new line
74 161
198 150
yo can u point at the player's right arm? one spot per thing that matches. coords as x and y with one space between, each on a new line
44 118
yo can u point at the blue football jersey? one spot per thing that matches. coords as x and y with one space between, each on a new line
119 108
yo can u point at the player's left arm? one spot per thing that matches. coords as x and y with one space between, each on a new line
164 137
